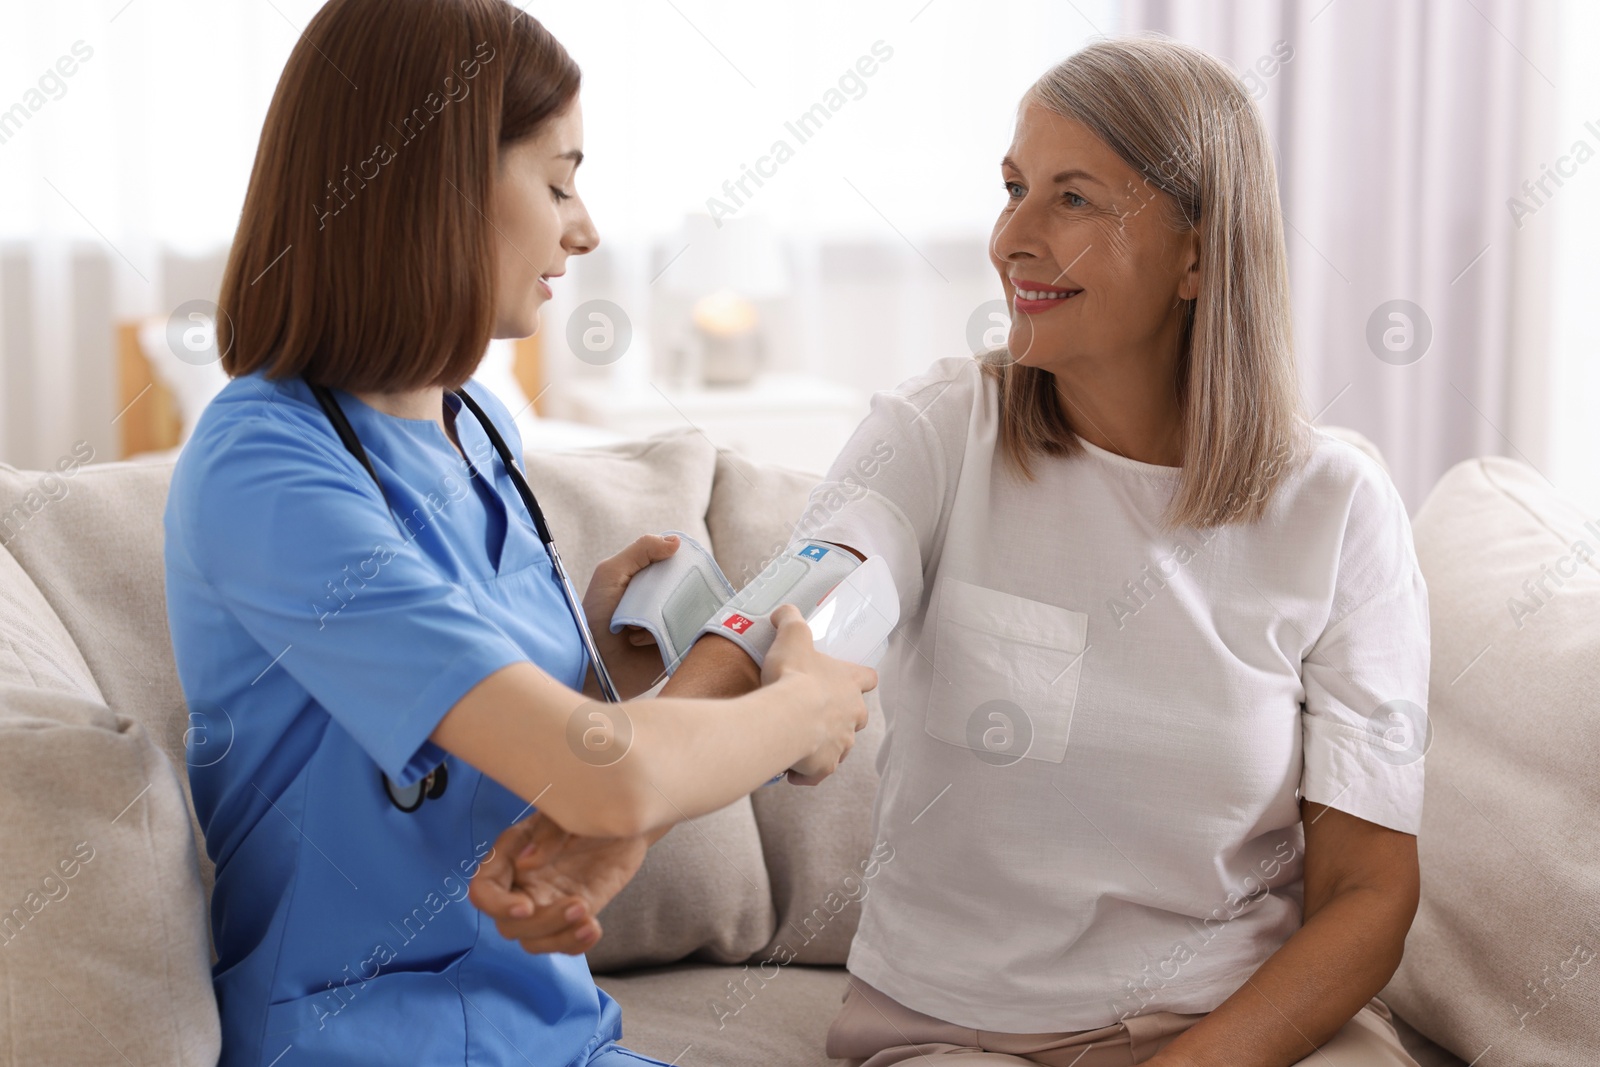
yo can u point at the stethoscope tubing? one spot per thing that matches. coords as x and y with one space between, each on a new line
347 434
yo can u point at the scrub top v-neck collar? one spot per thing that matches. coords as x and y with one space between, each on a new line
487 475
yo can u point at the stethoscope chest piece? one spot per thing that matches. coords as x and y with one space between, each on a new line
409 798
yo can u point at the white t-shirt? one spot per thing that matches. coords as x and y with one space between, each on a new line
1098 733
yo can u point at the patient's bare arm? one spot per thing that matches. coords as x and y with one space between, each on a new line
714 667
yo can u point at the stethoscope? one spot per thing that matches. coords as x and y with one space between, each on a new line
433 785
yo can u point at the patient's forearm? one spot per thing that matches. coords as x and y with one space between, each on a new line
1307 990
714 667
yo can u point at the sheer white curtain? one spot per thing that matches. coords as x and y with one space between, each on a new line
1402 130
121 188
126 136
1570 217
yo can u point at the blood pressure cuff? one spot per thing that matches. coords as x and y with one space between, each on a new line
672 598
685 595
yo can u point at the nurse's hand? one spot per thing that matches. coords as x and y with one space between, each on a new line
543 887
631 656
842 683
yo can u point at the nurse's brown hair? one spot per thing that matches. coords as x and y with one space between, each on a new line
364 257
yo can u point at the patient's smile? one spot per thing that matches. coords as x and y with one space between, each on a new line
1034 301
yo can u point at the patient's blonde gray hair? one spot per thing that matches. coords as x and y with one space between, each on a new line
1186 122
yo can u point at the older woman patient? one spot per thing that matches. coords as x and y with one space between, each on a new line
1145 773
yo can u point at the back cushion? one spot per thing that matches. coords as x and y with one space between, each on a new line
703 892
1503 948
35 649
95 552
102 917
91 540
817 839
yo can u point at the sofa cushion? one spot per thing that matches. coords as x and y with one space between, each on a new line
95 554
699 1016
102 917
778 1016
817 839
1503 949
35 649
598 500
94 550
820 854
703 891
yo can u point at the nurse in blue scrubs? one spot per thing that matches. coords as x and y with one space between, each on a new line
381 669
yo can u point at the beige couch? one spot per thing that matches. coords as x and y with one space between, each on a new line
727 947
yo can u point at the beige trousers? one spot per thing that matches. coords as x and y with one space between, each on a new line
873 1030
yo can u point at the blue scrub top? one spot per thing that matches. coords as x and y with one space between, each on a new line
319 639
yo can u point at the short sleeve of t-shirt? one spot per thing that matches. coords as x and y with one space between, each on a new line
1365 725
287 524
886 492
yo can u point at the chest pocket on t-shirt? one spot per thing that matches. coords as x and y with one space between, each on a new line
1005 675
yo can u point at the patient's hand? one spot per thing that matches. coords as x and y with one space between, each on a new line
544 887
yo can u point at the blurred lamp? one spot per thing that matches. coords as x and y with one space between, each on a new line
722 272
